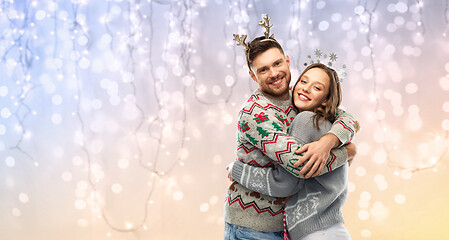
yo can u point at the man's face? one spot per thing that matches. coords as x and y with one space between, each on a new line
271 71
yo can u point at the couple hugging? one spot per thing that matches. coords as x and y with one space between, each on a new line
289 180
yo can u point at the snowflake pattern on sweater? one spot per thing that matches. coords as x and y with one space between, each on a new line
304 209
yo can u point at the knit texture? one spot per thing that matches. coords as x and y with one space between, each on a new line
315 203
263 139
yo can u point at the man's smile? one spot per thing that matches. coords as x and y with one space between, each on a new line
277 81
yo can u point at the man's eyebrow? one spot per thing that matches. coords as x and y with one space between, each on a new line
261 68
279 60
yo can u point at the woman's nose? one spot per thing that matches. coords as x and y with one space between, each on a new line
306 88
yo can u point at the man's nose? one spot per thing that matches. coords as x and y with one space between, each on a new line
273 72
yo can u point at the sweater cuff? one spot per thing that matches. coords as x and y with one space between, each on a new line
343 134
343 153
341 158
237 171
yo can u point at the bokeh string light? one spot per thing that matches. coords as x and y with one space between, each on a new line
128 46
129 50
17 53
180 19
294 34
446 18
120 84
367 17
238 22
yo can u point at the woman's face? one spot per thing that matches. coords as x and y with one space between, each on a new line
311 90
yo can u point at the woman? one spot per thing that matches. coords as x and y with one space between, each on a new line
313 210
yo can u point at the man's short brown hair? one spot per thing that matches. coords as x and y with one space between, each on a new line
258 46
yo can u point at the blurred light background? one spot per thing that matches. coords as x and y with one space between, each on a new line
117 118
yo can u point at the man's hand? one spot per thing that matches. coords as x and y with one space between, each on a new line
316 155
352 151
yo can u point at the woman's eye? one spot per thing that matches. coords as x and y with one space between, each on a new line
317 88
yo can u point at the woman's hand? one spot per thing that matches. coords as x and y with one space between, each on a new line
229 168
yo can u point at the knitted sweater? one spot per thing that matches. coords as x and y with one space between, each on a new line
316 203
262 139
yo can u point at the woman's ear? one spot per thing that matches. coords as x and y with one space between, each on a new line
324 104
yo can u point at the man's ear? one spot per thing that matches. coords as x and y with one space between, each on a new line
287 59
253 76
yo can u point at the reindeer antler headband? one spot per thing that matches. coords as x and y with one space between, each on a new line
265 22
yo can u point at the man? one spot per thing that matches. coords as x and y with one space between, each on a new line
262 139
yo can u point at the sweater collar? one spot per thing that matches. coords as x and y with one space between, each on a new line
275 102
